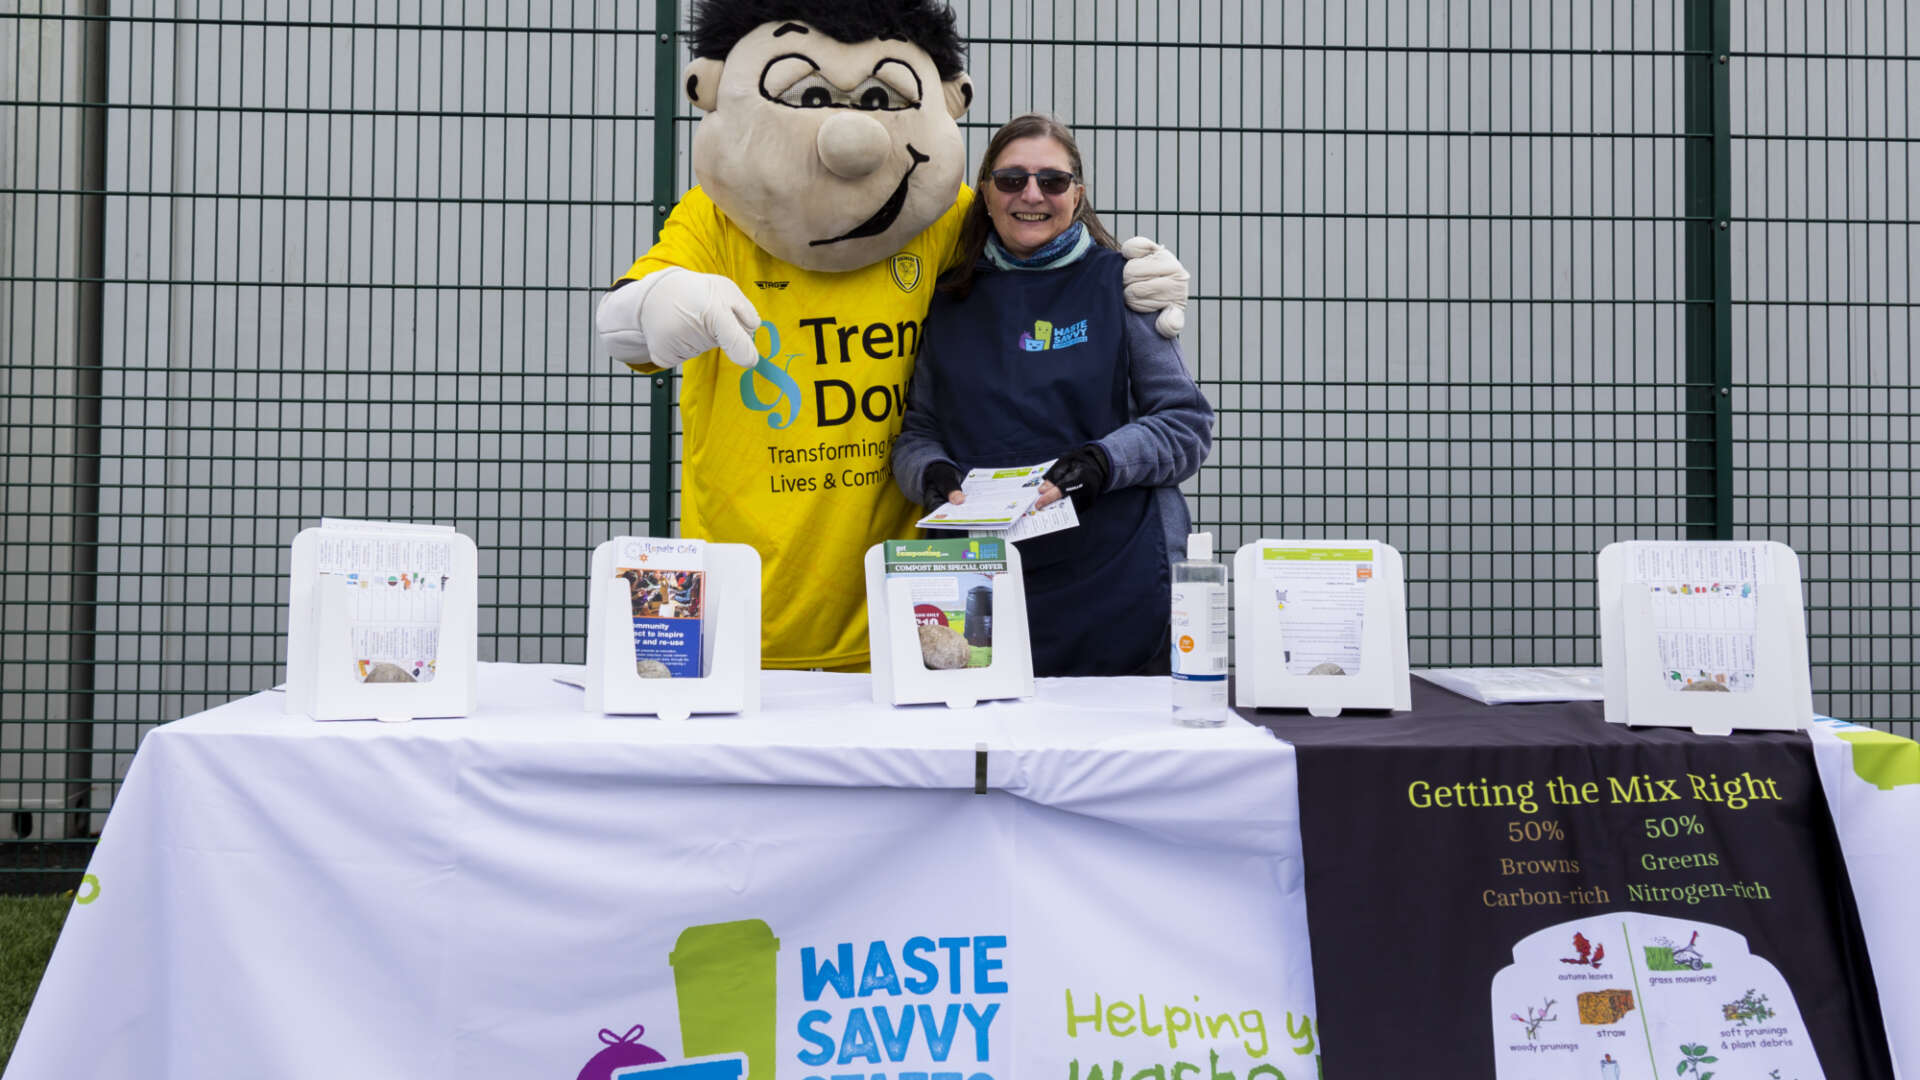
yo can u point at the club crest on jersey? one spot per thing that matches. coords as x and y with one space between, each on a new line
906 271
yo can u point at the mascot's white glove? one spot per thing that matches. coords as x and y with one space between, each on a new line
673 315
1153 280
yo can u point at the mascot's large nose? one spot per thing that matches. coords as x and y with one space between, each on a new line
852 144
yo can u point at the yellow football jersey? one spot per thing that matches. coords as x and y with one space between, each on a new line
791 456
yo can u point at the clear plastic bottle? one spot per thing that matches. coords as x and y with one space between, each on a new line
1199 631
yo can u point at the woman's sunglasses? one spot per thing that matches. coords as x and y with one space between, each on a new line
1014 181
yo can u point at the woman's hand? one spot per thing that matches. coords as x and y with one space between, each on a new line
1081 474
939 483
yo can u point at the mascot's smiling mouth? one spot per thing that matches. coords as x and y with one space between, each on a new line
882 218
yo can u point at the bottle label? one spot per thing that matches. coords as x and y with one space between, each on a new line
1199 631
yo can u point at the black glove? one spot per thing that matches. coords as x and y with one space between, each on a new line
1081 475
936 481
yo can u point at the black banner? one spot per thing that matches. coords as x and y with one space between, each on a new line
1529 891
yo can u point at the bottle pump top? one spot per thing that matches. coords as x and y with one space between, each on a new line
1200 546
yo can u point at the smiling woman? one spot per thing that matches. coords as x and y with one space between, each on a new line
1034 194
1031 356
1032 190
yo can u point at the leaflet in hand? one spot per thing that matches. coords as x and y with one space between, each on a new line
996 499
667 582
951 584
1050 518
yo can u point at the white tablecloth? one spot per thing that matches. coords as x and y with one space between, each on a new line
528 891
816 889
1877 817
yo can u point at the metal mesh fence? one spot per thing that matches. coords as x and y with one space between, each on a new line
1822 278
345 262
1497 283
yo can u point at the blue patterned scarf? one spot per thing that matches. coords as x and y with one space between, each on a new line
1066 248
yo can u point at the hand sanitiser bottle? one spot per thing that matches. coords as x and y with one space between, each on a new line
1199 631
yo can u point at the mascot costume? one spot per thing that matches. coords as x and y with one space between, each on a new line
829 161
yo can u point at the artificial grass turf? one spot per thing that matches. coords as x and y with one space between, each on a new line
29 925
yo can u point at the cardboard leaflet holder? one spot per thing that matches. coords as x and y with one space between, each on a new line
1321 625
1708 635
384 622
711 590
901 675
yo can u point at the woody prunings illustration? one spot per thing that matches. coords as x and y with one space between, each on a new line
1536 1017
1604 1006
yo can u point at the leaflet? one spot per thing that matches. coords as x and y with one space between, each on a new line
1706 611
666 579
1510 686
1321 594
396 584
996 499
1050 518
951 584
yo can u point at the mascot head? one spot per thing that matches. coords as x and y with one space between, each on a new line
830 133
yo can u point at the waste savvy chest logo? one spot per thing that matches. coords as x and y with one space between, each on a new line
1046 336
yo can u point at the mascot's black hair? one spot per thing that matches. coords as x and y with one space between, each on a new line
718 25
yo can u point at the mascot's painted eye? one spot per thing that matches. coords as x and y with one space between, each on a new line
875 94
882 93
812 92
897 80
795 81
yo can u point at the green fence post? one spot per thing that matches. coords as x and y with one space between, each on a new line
92 239
1707 399
666 90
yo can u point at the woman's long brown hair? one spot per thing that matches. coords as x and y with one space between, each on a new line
975 230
